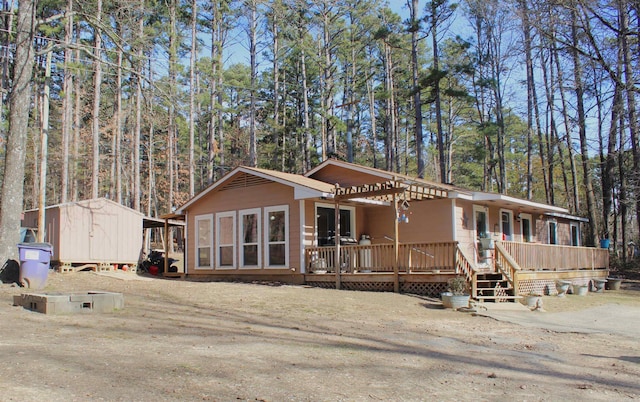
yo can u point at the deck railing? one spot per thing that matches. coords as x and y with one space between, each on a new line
535 257
446 257
412 257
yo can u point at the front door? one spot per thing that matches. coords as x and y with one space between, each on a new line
506 217
526 228
482 234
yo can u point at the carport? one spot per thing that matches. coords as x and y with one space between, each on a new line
166 222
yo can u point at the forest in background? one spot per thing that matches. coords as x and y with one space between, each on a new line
148 102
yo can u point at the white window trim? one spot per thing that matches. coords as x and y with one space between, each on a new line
197 220
219 216
267 210
352 218
242 213
510 213
529 217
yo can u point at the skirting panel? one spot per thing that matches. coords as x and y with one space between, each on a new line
431 289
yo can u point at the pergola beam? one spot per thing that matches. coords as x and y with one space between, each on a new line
387 190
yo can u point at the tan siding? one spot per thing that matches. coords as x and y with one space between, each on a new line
259 196
93 231
465 232
429 221
345 177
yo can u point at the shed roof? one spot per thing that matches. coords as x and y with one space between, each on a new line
90 203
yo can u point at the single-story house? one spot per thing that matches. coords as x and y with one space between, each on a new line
347 226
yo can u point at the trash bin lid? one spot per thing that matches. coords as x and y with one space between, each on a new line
39 246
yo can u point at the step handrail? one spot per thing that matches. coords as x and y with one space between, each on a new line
464 265
507 266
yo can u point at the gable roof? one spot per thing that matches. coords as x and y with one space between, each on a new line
380 189
421 188
242 176
385 183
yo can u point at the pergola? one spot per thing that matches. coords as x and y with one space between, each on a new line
392 192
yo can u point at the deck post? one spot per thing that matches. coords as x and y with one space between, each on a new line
166 246
396 276
336 239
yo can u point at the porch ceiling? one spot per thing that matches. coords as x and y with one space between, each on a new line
384 191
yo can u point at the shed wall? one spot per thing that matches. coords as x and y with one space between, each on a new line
92 231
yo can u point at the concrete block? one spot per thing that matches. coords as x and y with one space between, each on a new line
77 302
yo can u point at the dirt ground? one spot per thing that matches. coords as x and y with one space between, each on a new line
184 340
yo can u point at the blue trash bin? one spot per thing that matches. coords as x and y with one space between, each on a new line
35 259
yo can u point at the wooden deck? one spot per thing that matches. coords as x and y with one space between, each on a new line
425 268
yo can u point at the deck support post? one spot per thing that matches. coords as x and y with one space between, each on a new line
166 246
336 239
396 276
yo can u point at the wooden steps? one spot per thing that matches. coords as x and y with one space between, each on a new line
494 287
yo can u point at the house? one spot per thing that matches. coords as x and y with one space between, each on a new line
95 233
353 227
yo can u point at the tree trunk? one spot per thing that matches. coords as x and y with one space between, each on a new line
67 104
95 117
118 130
442 155
417 101
171 130
253 57
582 126
20 104
192 101
44 149
630 81
574 202
137 181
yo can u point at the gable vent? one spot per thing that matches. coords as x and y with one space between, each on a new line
244 180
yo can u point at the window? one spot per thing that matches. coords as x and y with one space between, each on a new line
250 238
326 224
553 232
276 236
225 240
575 234
204 242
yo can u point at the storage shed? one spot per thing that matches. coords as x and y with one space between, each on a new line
96 232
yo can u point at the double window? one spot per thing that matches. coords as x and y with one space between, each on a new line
228 240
